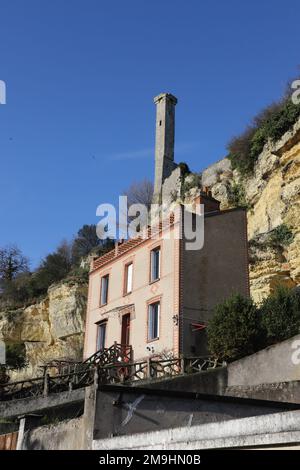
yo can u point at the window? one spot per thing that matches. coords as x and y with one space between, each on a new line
155 264
104 290
101 333
153 321
128 278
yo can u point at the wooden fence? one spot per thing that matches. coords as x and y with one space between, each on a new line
108 367
9 441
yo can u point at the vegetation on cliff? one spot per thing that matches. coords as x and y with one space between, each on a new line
269 125
19 286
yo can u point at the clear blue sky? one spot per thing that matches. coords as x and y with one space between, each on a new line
78 126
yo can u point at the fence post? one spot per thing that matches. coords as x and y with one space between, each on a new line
115 352
96 378
149 368
182 364
46 384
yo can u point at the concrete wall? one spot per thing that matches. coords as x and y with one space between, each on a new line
213 382
211 274
125 410
67 435
272 431
279 391
273 364
41 405
136 303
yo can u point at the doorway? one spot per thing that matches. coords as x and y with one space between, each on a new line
125 334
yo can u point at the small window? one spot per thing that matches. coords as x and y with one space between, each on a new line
104 290
128 278
101 334
155 264
153 321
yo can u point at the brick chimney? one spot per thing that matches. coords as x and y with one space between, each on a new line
164 141
205 197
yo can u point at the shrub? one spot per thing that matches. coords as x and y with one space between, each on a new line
184 168
270 124
55 267
280 314
281 236
237 195
16 356
16 292
234 330
189 181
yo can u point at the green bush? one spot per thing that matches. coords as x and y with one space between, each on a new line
193 181
16 292
270 124
16 356
184 168
281 236
237 195
235 329
280 314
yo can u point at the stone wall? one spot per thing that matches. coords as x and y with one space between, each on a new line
67 435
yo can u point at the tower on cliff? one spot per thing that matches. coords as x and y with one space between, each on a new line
164 141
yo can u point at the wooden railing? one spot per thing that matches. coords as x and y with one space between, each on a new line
165 368
109 366
112 355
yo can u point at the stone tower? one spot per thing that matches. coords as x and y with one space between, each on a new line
164 141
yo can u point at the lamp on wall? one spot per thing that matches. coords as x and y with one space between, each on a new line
175 319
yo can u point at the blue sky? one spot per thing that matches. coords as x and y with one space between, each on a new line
78 126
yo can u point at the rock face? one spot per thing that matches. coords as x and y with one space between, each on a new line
51 329
272 194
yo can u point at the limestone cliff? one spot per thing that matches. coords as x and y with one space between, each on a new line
272 195
50 329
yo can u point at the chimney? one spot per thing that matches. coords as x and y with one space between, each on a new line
205 197
164 141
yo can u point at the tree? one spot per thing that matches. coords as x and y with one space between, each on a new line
281 314
85 242
54 267
140 192
12 263
235 329
17 292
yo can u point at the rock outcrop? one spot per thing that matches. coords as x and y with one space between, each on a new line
50 329
272 195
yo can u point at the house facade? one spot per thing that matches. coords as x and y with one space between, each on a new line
157 296
154 293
